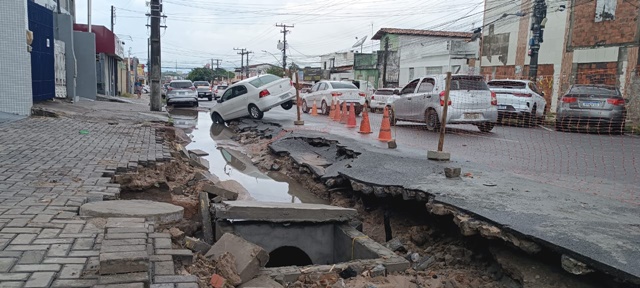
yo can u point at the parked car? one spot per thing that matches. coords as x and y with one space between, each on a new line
379 98
519 99
146 89
182 92
470 102
218 90
204 89
254 96
164 90
592 106
324 91
363 86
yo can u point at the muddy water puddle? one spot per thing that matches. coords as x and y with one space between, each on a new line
228 162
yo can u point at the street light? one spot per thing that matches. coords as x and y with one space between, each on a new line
274 56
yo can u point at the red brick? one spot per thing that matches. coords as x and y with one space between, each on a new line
217 281
586 32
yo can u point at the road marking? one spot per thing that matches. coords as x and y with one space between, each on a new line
545 128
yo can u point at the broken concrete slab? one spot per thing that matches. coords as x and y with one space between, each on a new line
159 212
262 282
249 258
199 162
283 212
206 175
216 190
196 245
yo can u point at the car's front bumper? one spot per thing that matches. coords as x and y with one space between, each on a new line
174 100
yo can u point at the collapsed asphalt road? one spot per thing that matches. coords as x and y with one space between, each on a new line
600 232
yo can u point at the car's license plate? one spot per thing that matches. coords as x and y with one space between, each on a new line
285 95
182 93
472 116
502 107
590 104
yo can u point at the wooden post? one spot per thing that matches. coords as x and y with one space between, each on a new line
299 121
443 122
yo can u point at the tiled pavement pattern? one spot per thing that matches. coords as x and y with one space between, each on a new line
48 169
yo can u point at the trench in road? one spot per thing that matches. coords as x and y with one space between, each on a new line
228 162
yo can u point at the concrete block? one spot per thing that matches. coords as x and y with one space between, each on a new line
196 245
158 212
283 212
175 279
261 282
198 152
124 262
438 155
249 257
184 255
218 191
122 279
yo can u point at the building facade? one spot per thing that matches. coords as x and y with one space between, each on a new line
16 96
584 42
414 53
109 52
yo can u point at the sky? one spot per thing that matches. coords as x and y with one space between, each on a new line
200 30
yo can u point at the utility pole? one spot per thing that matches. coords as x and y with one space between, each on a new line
384 69
113 17
217 67
247 72
537 27
241 53
156 104
284 44
128 71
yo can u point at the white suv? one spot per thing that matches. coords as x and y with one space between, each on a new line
182 92
519 99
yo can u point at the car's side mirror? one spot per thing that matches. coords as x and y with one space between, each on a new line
396 92
220 100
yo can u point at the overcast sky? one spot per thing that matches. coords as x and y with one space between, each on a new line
199 30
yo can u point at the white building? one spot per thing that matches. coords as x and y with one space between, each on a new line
339 65
426 52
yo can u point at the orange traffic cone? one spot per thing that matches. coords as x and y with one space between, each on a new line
339 112
365 126
332 111
351 122
314 109
385 127
344 118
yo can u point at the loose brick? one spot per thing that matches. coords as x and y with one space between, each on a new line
32 257
6 264
14 277
36 267
124 262
126 236
142 277
124 242
59 250
71 271
78 283
164 268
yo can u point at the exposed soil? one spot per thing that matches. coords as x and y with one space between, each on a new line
457 261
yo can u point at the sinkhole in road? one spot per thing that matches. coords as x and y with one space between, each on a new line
228 162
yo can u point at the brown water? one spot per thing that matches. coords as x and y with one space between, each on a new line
227 161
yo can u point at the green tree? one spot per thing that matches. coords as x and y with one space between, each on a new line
276 71
200 74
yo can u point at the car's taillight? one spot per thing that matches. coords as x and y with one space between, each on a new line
442 99
373 97
193 88
210 89
216 90
169 88
336 94
362 94
264 93
616 101
494 99
569 99
291 83
522 94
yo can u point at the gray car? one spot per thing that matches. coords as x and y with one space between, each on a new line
599 107
204 89
182 92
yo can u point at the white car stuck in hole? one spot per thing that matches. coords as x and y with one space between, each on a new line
254 96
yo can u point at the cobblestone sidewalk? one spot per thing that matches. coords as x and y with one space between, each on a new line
49 167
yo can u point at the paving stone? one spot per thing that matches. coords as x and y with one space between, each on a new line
21 230
64 260
162 243
12 284
53 241
6 264
163 285
123 222
175 279
83 253
36 267
71 271
59 250
78 283
156 258
84 244
32 257
40 279
126 236
127 230
23 239
129 248
184 255
49 233
27 247
124 278
14 277
128 285
164 268
187 285
160 235
10 254
124 242
124 262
